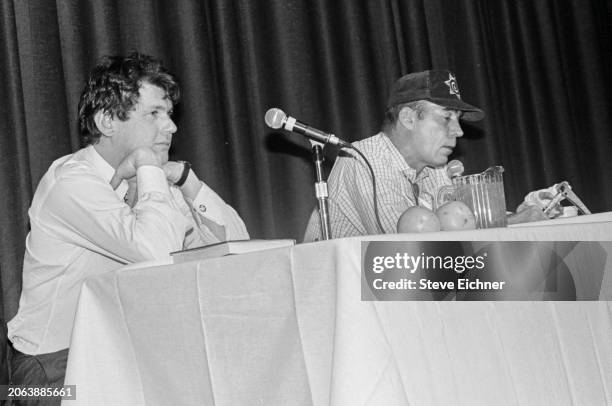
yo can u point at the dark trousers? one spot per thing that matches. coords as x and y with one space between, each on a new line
47 370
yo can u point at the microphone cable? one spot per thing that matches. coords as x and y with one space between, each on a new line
376 215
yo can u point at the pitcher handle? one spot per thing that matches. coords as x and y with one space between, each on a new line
445 194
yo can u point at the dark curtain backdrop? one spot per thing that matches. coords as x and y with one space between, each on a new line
540 68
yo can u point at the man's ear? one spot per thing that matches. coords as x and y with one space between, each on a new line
407 117
105 123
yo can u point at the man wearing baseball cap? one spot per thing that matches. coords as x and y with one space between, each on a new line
408 156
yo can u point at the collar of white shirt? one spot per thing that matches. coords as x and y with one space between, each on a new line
105 169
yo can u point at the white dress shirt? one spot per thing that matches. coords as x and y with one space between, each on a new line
80 226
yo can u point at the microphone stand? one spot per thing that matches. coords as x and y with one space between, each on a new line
321 188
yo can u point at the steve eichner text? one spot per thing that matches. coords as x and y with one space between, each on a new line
426 284
410 263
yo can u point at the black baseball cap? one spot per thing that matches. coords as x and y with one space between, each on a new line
437 86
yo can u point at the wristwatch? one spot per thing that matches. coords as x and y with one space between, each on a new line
184 175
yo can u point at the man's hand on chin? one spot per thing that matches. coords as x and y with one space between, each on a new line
527 214
173 171
127 167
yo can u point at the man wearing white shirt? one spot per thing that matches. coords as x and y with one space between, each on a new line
117 201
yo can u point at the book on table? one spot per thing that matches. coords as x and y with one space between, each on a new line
228 248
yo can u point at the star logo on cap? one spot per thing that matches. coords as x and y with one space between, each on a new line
453 87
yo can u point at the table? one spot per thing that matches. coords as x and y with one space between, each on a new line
287 327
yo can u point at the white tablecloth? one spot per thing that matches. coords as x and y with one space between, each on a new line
288 327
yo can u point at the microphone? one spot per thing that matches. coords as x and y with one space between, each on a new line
454 168
276 118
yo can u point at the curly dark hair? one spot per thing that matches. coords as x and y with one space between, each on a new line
113 87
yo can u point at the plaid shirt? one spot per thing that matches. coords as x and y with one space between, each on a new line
351 208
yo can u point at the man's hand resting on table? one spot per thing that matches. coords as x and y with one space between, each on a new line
532 208
527 214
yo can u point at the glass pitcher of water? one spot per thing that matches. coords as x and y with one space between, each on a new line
483 193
